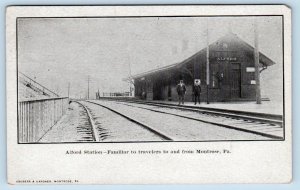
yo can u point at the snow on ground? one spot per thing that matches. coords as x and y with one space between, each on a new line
28 92
275 130
181 129
75 126
71 127
270 107
117 128
265 107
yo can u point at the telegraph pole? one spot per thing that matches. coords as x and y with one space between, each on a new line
88 90
256 62
207 65
130 77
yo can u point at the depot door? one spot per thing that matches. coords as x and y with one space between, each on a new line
157 91
235 87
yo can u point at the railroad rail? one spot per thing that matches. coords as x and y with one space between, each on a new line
91 121
261 119
143 125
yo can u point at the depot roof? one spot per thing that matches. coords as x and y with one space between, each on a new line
264 60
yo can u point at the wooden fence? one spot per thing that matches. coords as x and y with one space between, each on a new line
36 117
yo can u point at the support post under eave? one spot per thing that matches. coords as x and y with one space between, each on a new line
207 65
256 62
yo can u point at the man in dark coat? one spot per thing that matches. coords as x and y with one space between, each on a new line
197 91
181 91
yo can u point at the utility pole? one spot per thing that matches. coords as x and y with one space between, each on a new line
130 77
256 62
88 90
207 65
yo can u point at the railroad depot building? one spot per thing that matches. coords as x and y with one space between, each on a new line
231 70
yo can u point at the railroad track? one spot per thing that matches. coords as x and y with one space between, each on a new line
252 124
256 123
91 122
250 116
143 125
88 130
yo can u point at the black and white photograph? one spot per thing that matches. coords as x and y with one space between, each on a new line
150 79
160 94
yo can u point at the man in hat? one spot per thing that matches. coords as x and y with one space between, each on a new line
181 91
197 90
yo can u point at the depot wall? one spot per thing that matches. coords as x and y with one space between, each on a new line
231 75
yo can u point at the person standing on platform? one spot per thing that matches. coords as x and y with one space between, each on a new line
197 90
181 91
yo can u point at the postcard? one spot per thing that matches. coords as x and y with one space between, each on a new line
149 94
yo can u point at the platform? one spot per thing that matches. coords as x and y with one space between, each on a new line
269 107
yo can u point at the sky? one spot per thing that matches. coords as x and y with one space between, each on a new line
61 51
